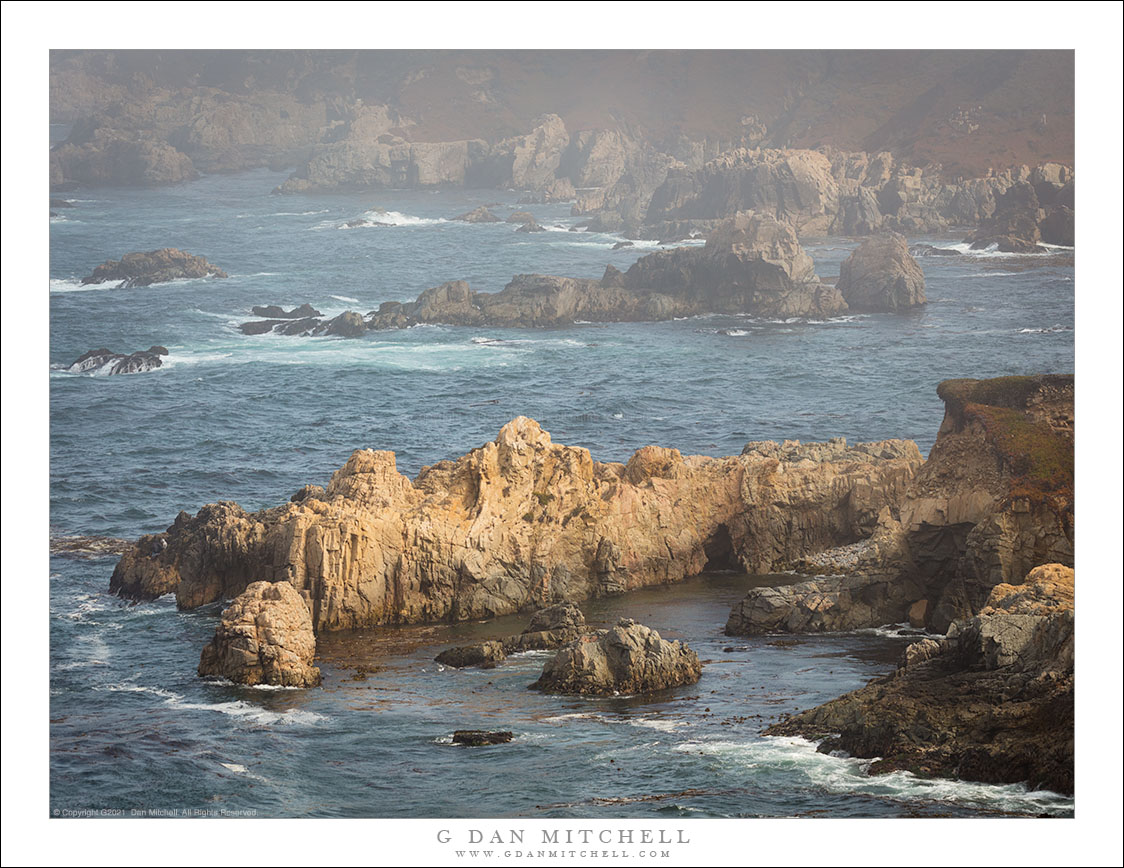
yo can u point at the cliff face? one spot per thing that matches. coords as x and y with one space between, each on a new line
522 522
993 500
995 497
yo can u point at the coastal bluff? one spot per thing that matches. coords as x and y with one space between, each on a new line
521 523
993 500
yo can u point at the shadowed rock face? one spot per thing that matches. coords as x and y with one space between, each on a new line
992 702
156 266
265 637
629 658
519 523
881 275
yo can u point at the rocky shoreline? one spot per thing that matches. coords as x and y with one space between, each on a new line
639 176
993 702
955 544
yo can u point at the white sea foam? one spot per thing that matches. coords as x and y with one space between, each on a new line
237 768
70 284
346 298
1054 329
661 724
784 756
386 218
237 709
298 213
992 251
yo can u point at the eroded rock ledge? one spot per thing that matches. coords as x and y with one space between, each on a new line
992 702
521 523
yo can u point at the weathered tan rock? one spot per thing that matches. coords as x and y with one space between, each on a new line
629 658
523 522
265 637
881 275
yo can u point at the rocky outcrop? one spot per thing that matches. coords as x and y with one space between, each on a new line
484 654
110 158
478 215
156 266
1038 209
626 659
522 523
265 637
274 311
994 498
881 275
348 324
992 702
106 362
551 627
750 265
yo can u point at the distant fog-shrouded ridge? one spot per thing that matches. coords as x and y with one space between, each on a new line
837 142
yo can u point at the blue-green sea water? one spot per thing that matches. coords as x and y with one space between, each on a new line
252 419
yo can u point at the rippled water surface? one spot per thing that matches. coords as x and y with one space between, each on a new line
254 418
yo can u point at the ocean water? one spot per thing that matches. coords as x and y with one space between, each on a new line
252 419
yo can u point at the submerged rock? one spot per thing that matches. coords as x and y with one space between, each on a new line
265 637
629 658
480 737
992 702
523 522
107 362
156 266
881 275
485 655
